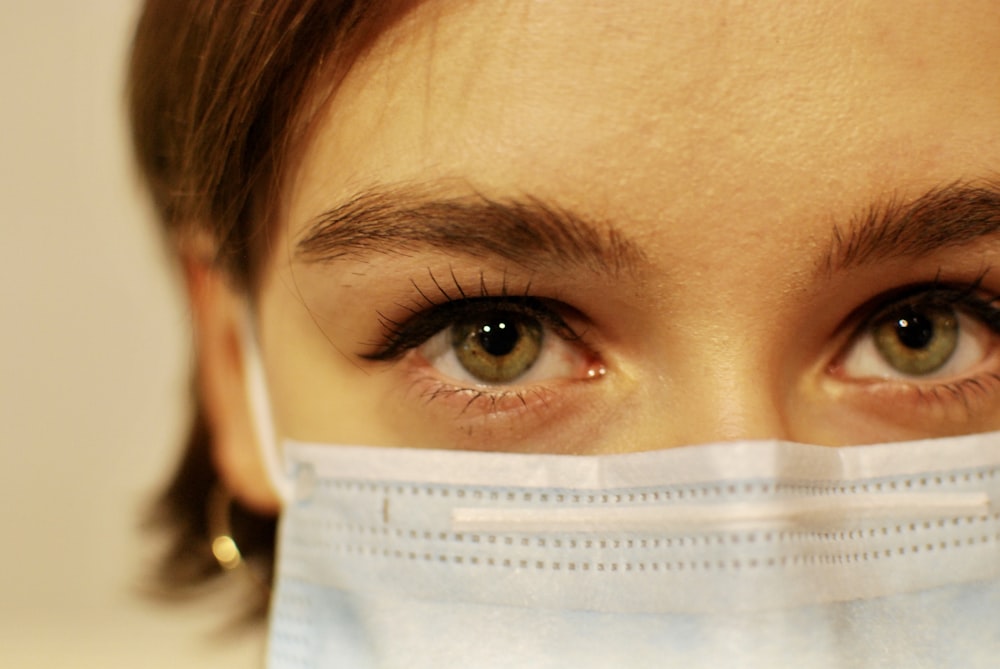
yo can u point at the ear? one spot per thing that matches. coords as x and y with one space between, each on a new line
218 311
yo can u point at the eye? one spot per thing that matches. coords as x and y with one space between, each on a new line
917 341
499 348
494 342
927 336
505 347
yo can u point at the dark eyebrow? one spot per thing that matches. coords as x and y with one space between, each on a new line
524 231
948 216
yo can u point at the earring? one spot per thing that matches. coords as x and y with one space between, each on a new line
224 546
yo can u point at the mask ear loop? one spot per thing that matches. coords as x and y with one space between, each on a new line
260 412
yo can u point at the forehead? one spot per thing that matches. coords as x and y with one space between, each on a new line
681 112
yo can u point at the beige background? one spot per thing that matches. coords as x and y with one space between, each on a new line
93 360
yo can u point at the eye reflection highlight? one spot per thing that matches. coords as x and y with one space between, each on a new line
935 333
917 342
498 349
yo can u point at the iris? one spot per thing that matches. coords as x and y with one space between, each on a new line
917 340
499 347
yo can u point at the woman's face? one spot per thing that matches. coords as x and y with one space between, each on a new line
590 228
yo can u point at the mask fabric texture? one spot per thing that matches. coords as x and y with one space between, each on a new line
746 554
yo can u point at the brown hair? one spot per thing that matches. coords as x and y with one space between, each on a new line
217 93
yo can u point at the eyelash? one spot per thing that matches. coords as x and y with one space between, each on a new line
428 317
399 337
966 297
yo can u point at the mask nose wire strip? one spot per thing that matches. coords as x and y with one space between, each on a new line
260 412
806 511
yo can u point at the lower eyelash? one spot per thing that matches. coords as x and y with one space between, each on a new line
965 391
485 401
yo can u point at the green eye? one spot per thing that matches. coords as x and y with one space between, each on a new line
498 347
916 340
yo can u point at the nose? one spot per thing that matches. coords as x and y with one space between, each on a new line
712 398
728 402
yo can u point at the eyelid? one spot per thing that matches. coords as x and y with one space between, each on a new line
965 299
400 337
962 296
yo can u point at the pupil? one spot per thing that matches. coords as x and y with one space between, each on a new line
498 337
915 331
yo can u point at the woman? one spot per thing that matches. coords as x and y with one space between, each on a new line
597 231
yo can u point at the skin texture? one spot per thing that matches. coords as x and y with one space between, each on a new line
728 144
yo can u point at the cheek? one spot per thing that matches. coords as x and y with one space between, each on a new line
315 389
824 408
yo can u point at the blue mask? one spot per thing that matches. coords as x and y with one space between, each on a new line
744 554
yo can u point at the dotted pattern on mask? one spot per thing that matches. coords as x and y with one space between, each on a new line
448 550
385 534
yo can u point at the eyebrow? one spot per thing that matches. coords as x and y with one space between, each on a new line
524 231
949 216
533 234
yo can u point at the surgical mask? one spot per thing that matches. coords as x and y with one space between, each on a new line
745 554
